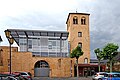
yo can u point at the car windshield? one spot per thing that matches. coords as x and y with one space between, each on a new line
23 73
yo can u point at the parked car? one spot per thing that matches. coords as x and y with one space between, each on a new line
24 75
98 75
10 78
3 76
111 76
7 77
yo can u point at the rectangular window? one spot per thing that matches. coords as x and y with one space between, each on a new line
23 42
79 34
54 43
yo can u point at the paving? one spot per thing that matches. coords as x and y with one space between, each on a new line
70 78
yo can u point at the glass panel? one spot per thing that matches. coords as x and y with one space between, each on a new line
29 44
50 34
44 41
52 54
44 33
23 44
44 54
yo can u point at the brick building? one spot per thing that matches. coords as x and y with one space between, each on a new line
46 53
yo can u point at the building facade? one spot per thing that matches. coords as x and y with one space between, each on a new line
78 28
46 53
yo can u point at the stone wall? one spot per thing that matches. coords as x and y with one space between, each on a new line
24 61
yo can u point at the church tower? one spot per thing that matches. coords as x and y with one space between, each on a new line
78 28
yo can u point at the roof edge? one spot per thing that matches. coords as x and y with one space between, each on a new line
76 13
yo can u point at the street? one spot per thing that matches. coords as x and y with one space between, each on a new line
70 78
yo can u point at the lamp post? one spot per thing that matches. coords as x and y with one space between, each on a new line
0 51
1 39
11 40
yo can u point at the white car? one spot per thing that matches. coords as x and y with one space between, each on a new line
24 75
9 78
98 75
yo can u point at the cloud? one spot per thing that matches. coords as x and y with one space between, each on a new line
105 23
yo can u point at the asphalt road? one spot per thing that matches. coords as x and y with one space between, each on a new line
72 78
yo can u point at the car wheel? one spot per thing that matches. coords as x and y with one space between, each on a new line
99 79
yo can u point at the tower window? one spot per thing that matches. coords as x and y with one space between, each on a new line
75 20
83 20
80 44
79 34
86 60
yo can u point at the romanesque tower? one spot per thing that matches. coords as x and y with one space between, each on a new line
78 28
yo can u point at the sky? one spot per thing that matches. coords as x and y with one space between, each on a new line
52 15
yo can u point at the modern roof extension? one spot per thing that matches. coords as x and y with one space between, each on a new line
20 33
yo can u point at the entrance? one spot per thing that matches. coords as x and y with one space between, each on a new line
41 69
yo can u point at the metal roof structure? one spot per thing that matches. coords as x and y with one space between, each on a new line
117 57
29 34
96 61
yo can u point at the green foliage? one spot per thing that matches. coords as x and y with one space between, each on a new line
76 53
109 51
98 53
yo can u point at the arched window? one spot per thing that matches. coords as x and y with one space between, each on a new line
75 20
83 20
41 64
86 60
80 44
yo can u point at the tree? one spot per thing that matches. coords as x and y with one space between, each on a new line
109 52
76 53
99 56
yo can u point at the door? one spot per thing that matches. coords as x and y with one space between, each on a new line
41 69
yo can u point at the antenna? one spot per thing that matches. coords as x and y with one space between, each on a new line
76 10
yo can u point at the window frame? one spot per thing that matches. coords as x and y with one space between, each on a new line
83 21
80 44
75 20
79 34
85 60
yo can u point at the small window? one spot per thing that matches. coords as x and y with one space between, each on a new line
79 34
86 60
75 20
83 20
80 44
59 63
